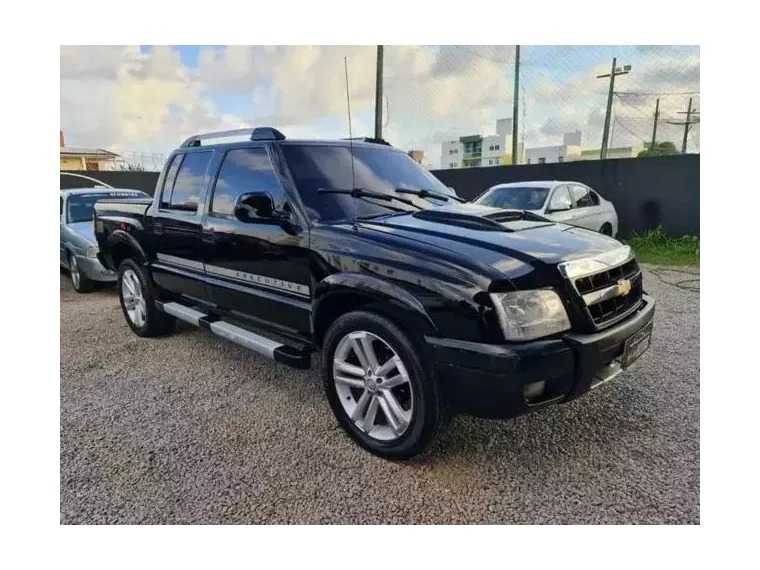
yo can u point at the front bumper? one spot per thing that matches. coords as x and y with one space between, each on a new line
489 380
94 270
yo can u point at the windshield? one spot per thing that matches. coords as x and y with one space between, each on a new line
377 169
517 197
80 207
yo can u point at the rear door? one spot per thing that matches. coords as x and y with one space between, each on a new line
176 230
586 211
257 269
561 197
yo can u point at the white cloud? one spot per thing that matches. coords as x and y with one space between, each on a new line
123 100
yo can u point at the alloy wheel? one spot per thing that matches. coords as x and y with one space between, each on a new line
373 385
133 298
74 270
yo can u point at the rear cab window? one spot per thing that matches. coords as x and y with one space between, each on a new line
185 182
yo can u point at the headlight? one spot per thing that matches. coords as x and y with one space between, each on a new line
525 315
91 252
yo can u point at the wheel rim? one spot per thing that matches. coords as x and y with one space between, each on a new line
373 385
75 277
133 298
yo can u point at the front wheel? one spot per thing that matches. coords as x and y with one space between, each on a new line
377 386
606 229
138 301
79 280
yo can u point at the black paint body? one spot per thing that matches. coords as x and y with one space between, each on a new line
293 278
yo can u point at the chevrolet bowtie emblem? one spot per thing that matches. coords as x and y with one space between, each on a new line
624 287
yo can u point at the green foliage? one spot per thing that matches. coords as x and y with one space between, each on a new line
658 248
132 167
660 149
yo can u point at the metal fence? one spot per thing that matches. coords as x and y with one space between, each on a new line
432 94
441 93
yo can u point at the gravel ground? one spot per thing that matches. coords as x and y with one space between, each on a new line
193 429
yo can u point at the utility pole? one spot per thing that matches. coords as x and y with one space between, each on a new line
614 71
379 94
688 122
515 105
656 117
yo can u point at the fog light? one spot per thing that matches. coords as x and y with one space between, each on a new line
534 390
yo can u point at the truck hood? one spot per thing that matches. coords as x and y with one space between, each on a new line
85 230
500 241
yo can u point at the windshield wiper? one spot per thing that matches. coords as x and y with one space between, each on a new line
362 193
398 212
429 194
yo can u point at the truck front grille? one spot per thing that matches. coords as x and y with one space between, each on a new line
611 294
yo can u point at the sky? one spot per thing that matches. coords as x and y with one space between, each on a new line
147 99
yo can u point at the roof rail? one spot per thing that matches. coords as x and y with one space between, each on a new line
255 134
369 140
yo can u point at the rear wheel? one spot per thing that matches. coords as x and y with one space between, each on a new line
79 280
137 298
377 386
606 230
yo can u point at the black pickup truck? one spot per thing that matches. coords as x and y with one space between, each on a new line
419 304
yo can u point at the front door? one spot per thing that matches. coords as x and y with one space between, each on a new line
176 230
257 269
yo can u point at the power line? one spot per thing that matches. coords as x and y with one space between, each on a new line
631 106
657 94
686 124
617 121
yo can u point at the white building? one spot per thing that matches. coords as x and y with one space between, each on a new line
478 150
570 149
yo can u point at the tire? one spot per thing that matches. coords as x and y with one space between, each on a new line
137 298
414 401
79 280
606 229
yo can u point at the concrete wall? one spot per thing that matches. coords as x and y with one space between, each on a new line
646 192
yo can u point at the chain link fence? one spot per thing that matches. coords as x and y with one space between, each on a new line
436 95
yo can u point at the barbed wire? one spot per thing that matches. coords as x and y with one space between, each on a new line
140 161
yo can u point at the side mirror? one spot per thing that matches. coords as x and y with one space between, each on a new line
559 206
254 206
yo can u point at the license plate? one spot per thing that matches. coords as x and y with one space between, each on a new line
636 345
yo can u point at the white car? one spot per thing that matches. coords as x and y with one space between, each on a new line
566 202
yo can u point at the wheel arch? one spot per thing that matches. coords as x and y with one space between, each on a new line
122 245
342 293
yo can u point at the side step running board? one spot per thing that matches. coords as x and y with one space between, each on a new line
256 342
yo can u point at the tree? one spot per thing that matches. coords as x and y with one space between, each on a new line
660 149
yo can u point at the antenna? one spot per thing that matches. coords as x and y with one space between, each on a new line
351 142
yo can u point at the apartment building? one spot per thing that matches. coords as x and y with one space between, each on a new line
478 150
